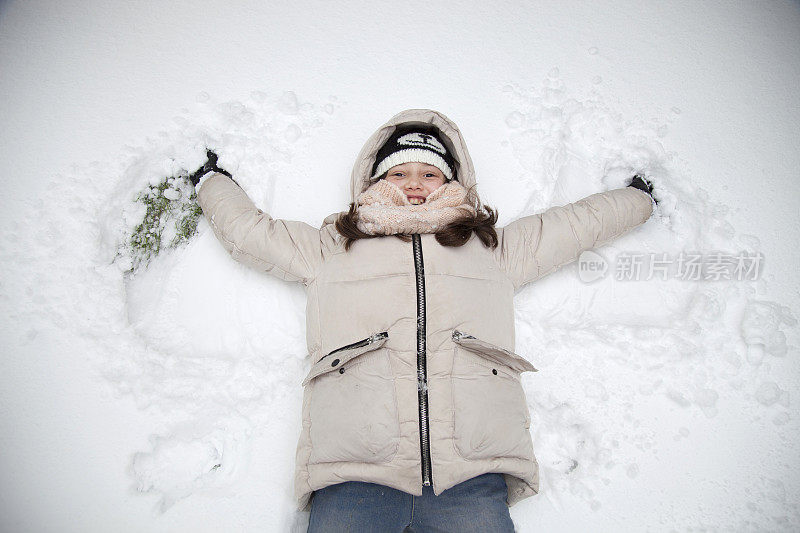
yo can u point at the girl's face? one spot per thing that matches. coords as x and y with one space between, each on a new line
416 180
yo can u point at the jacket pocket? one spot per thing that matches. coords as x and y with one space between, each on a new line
491 417
353 405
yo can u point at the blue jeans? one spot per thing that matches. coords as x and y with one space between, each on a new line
478 504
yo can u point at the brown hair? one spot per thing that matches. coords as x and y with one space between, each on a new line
454 234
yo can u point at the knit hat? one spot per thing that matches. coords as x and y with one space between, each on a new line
414 144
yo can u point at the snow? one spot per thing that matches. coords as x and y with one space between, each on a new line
170 400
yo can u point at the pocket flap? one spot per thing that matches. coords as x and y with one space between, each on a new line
492 352
337 358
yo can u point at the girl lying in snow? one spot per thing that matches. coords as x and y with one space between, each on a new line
414 417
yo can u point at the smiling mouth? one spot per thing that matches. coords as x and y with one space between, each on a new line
416 200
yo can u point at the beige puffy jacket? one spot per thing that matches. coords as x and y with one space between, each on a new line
413 376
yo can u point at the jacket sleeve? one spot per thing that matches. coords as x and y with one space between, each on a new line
534 246
287 249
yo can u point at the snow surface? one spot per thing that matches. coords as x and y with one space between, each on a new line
169 400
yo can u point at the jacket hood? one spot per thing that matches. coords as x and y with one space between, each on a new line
452 140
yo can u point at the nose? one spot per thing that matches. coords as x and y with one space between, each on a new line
413 182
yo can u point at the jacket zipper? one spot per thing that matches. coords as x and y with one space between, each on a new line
422 370
359 344
458 335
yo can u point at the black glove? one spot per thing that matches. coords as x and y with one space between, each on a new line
641 183
210 166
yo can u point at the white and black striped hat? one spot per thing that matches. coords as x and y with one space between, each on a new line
414 144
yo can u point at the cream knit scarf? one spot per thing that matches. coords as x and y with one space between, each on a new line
383 209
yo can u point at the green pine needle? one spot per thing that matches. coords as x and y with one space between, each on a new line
170 220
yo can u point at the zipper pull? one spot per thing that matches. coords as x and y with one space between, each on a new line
457 335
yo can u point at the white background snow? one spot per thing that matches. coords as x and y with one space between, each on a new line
170 401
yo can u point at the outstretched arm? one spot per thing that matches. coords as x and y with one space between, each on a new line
287 249
536 245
